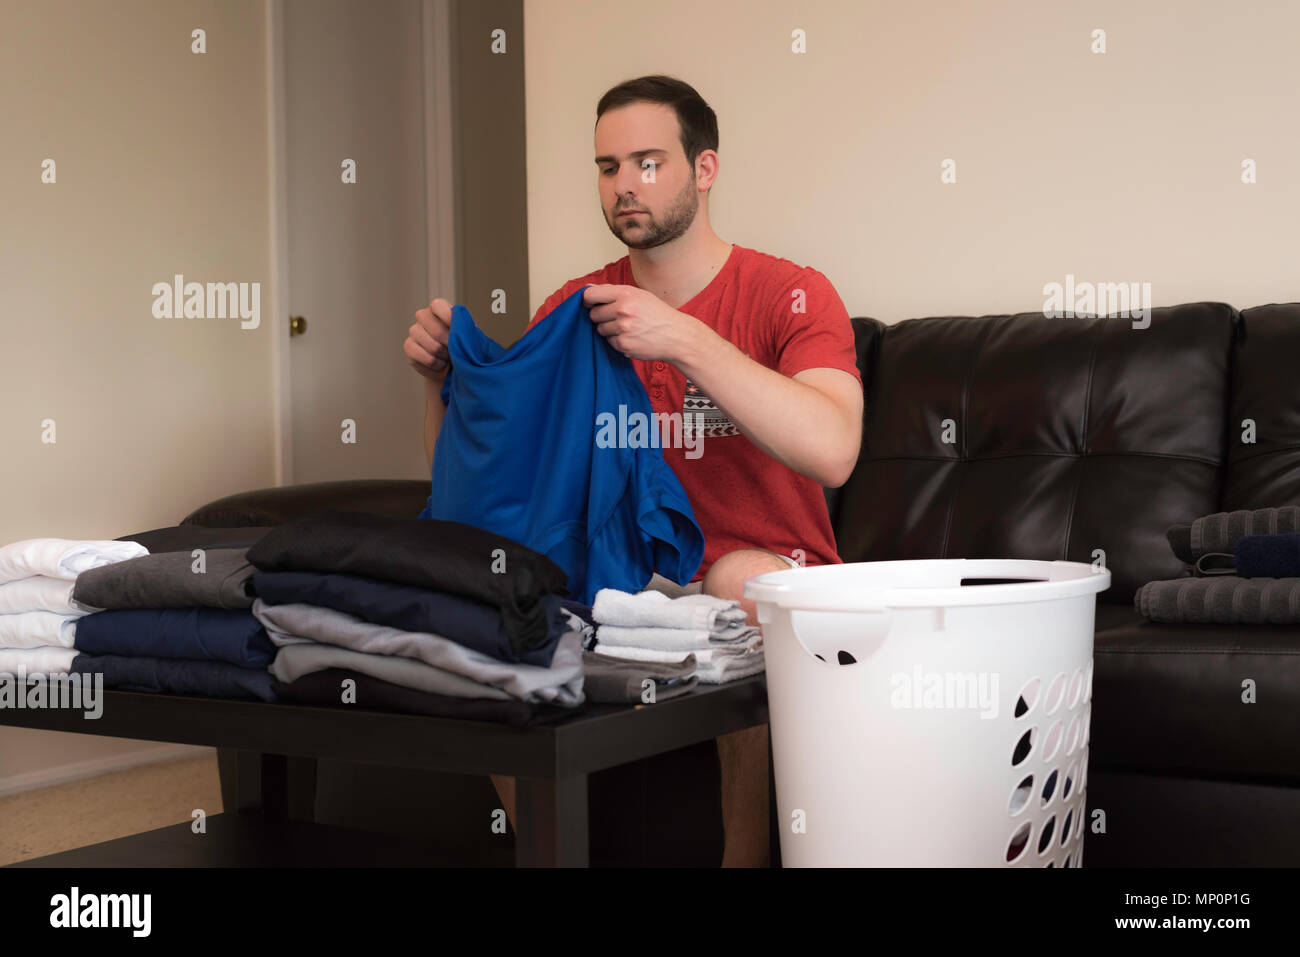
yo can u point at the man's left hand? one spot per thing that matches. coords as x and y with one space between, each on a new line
638 323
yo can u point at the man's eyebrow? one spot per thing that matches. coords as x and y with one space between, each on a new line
637 154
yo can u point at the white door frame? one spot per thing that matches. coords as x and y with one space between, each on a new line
439 200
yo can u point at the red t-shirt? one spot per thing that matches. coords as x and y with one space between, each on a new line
742 497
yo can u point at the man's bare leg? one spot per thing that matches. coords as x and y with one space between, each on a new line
743 755
505 785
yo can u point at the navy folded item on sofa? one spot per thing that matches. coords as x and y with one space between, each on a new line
211 679
465 621
325 688
197 634
427 553
1267 556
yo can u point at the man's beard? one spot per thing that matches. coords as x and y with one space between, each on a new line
647 232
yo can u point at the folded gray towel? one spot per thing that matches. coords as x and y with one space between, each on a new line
1220 531
609 680
168 580
1221 600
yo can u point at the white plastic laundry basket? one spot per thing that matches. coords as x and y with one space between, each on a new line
917 721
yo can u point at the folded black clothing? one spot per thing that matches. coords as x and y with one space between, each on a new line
1220 531
211 679
425 552
1221 600
325 688
169 580
183 538
1268 556
473 624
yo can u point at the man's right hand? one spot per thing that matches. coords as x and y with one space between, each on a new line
426 342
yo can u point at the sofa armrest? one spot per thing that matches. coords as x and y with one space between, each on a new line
399 498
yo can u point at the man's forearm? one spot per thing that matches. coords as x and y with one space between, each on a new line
433 413
796 424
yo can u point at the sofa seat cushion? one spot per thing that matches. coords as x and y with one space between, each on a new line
1168 698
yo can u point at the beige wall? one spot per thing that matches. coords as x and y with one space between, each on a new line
162 168
1123 166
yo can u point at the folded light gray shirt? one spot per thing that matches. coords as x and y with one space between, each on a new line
295 660
167 580
559 684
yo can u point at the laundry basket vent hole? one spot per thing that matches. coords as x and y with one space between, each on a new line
1020 796
1023 747
1055 692
1065 831
1027 699
1019 841
1045 839
1049 788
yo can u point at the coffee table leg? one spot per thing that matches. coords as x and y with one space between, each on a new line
551 822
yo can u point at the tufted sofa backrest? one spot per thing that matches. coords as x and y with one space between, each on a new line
1022 436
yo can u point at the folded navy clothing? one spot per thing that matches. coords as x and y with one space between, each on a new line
473 624
325 688
425 552
1268 556
211 679
227 635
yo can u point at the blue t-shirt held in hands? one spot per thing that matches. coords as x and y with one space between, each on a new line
518 455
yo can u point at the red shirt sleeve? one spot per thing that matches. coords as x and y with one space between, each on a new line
812 328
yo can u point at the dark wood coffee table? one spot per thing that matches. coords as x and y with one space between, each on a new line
269 771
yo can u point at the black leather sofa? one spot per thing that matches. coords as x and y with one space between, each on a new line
1022 436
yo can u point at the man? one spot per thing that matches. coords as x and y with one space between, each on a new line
761 350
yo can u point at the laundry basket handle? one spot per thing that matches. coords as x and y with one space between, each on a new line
865 600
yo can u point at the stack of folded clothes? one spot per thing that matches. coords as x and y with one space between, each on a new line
38 611
1243 568
175 622
704 637
417 615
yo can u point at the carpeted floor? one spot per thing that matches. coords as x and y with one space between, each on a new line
102 808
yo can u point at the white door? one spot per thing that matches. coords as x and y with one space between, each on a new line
350 103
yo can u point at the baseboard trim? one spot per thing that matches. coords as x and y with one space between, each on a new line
94 767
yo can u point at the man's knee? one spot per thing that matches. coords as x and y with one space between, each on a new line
726 576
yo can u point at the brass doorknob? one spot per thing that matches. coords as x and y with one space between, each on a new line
297 325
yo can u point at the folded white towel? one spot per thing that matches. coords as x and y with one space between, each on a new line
742 649
673 639
654 609
31 629
36 661
40 593
62 557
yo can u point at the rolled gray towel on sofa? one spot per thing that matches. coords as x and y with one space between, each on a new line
1221 531
1221 600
